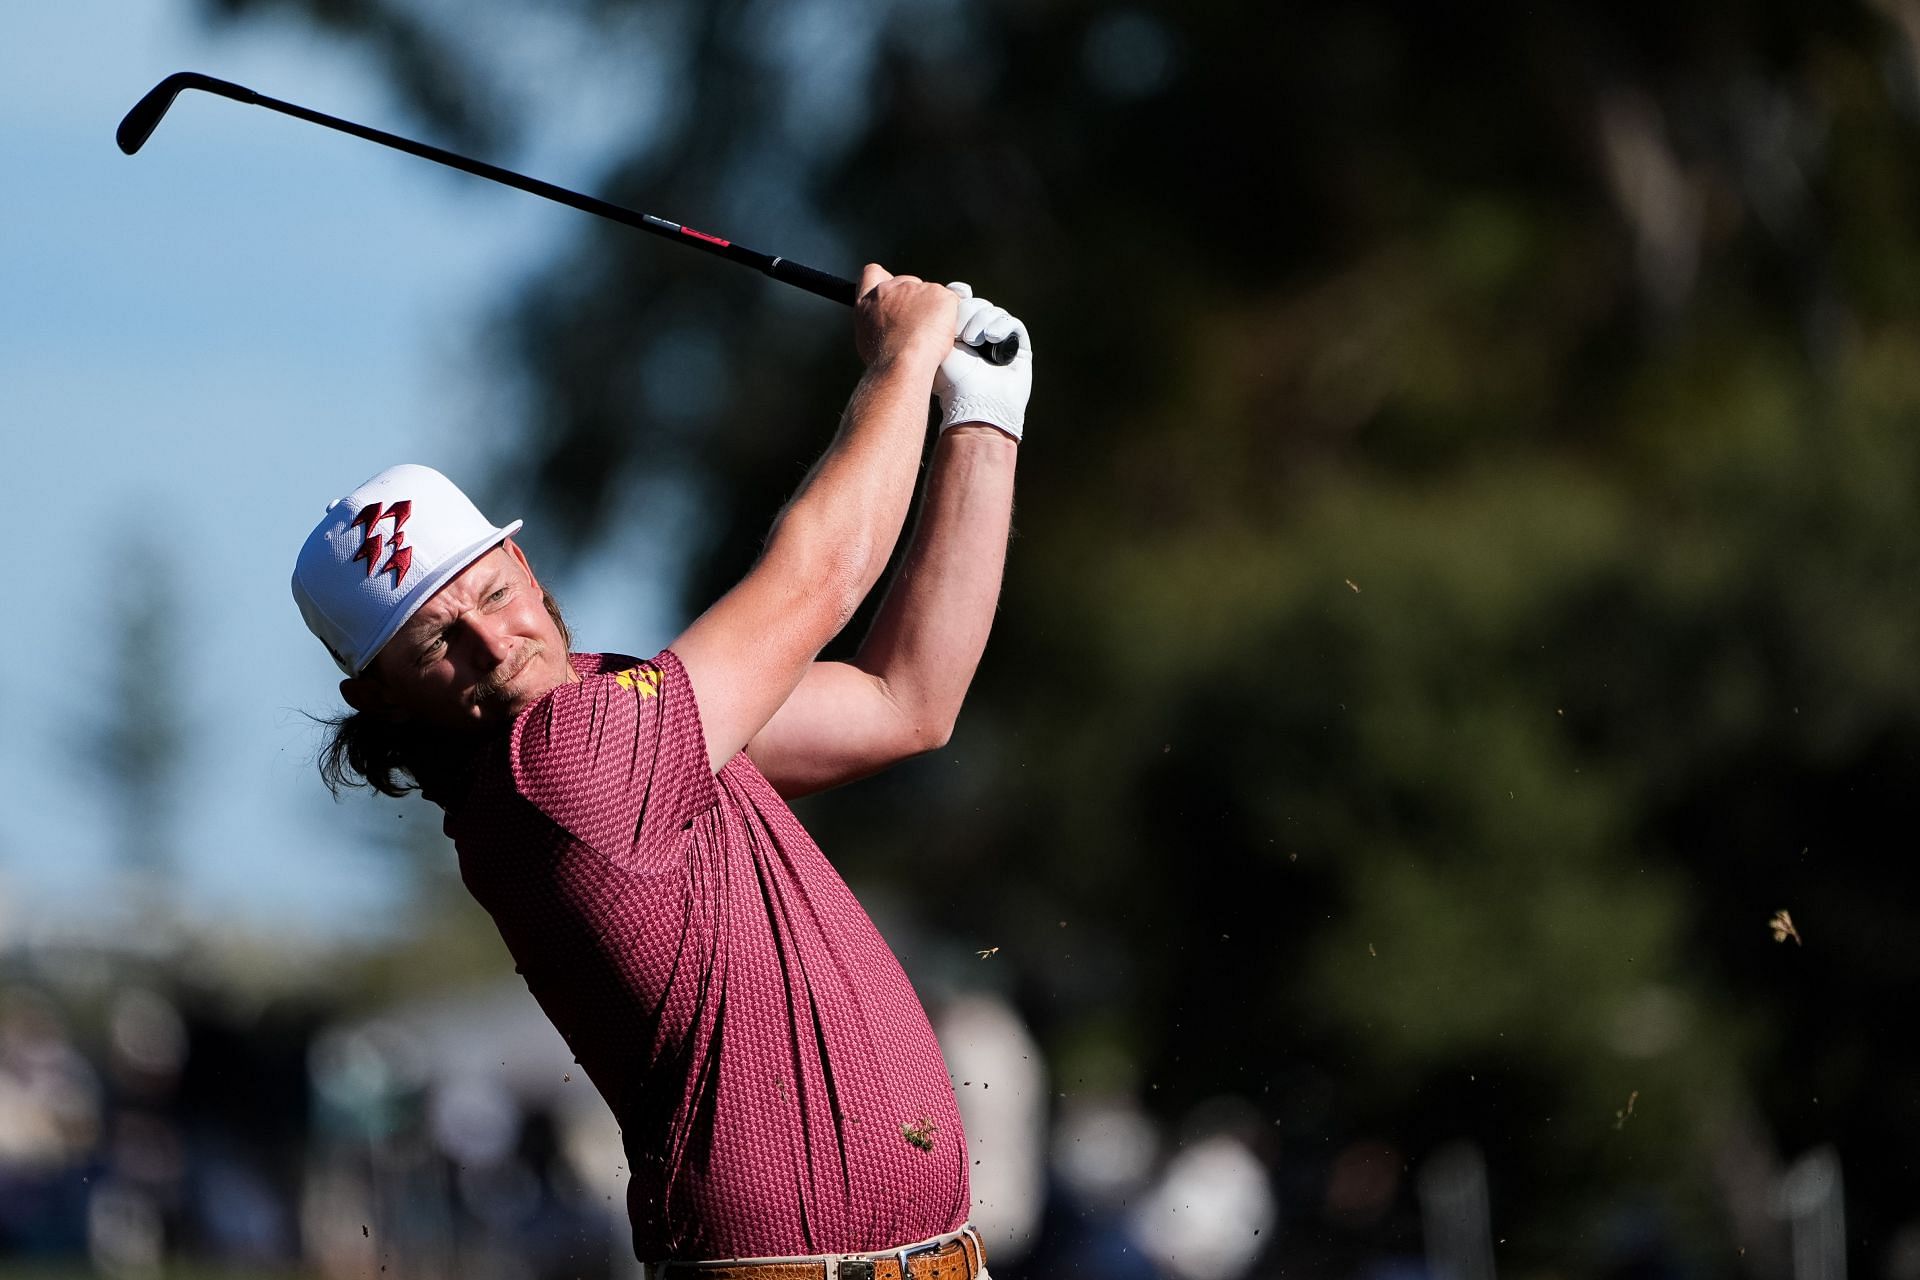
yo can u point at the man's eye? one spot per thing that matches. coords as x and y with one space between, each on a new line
500 595
431 650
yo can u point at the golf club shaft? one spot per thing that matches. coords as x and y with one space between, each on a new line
141 121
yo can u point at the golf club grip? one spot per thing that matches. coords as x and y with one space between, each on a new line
831 287
1001 352
841 290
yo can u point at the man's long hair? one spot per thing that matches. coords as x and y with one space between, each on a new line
368 750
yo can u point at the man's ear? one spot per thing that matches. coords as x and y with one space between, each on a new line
363 693
520 557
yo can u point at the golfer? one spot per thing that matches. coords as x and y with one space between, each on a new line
780 1094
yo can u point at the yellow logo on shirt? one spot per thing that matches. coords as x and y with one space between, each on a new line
644 681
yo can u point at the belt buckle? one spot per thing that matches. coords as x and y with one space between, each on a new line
907 1256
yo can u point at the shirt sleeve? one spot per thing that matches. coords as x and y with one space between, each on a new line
619 761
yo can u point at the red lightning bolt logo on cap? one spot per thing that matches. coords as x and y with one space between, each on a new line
371 543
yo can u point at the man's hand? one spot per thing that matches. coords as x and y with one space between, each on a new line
900 316
969 388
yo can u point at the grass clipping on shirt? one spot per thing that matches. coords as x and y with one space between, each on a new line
919 1133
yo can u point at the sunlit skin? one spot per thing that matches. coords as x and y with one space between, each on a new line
473 656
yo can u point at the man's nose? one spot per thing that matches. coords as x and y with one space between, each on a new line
489 643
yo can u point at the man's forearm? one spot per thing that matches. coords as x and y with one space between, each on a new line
847 514
931 630
748 653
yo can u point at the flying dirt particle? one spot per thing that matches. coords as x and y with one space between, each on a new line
1782 926
1354 585
1625 1114
567 1078
987 952
1371 951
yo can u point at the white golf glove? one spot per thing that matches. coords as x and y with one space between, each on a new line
972 390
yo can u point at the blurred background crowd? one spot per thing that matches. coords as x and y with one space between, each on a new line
1434 802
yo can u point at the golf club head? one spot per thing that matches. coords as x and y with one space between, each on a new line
138 124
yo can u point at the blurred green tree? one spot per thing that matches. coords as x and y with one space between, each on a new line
136 738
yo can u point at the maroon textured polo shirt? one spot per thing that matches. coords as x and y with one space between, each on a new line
777 1084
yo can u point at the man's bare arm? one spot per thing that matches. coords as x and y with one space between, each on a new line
747 653
902 692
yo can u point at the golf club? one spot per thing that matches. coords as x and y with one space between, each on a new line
144 118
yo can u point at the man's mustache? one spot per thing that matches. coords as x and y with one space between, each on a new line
493 685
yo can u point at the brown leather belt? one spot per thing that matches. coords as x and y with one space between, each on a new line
955 1257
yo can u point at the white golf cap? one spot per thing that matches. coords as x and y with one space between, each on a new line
380 553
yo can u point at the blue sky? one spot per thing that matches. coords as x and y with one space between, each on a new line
201 345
